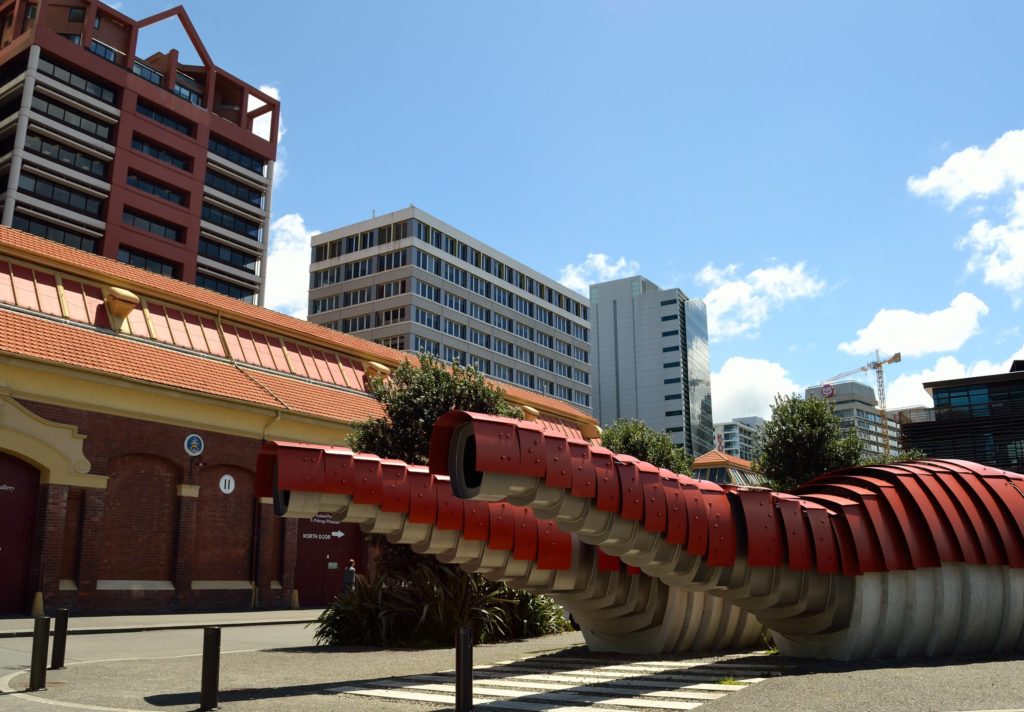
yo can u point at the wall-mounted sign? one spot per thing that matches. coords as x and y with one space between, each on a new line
227 484
194 445
828 390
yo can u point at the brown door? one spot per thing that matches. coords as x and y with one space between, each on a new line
19 490
324 548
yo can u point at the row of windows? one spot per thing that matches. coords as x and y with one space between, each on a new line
70 117
147 262
228 255
148 185
77 81
237 156
393 342
54 233
232 222
160 153
171 122
151 225
70 157
228 288
235 189
106 51
59 195
148 73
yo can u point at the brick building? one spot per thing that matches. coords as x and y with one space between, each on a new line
136 156
105 369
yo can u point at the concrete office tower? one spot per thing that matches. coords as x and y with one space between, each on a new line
141 159
412 282
857 408
738 437
652 361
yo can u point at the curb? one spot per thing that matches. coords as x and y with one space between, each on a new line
157 626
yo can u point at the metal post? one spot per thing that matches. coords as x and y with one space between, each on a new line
40 643
211 669
60 639
464 670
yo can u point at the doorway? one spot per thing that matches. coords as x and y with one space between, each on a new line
324 547
19 494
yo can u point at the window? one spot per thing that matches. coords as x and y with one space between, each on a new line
450 354
480 364
147 224
503 347
393 342
503 322
147 262
479 338
672 332
563 369
147 185
391 289
674 430
671 364
454 328
392 260
356 323
667 349
670 317
76 80
666 302
501 372
524 379
389 316
229 255
356 296
108 53
252 196
171 122
548 364
76 14
232 290
524 355
70 117
581 376
359 268
189 94
428 319
160 153
672 413
241 158
421 345
147 73
232 222
480 313
59 195
673 380
454 302
70 157
428 291
323 277
54 233
674 396
581 398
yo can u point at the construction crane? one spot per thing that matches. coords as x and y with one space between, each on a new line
877 366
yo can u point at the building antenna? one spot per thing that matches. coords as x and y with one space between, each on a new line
373 213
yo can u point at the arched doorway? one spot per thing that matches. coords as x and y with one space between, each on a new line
19 494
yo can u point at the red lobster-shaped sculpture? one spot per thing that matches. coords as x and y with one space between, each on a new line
915 559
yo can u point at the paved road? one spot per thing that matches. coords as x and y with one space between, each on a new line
267 668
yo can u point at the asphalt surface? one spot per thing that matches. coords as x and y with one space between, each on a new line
276 667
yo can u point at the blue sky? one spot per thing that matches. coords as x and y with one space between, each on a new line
831 178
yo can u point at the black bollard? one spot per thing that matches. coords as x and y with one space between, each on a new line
40 644
211 669
60 639
464 670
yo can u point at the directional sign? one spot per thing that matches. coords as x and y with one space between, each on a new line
337 534
194 445
227 484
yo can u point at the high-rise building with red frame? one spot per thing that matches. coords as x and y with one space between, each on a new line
159 164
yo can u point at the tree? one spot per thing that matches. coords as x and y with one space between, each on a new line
414 398
416 600
635 437
802 440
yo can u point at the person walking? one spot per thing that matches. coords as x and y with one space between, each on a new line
348 577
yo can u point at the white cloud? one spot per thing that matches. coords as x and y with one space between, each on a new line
976 172
288 266
907 390
261 127
915 334
596 268
739 305
748 386
998 251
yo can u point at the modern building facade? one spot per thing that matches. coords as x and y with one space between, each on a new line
651 360
738 437
141 159
980 419
412 282
857 408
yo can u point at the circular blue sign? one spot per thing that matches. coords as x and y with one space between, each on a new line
194 445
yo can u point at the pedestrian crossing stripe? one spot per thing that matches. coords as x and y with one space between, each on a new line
603 685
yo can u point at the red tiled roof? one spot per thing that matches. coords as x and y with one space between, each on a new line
52 342
179 314
717 457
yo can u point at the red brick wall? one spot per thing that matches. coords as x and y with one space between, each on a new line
72 535
140 519
224 526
